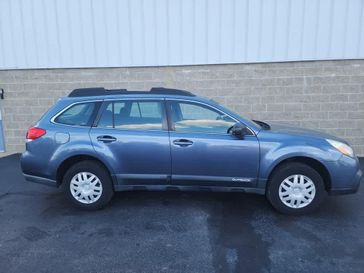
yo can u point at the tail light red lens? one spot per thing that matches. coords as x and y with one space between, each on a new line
34 133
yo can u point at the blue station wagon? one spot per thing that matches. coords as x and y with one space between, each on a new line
96 141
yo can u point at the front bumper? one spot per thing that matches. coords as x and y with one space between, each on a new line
353 189
345 175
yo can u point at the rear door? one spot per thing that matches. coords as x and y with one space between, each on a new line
132 135
204 153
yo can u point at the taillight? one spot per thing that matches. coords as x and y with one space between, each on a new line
34 133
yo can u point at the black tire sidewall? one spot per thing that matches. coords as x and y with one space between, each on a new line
97 169
287 170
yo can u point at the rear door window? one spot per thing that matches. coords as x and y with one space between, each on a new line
132 115
81 114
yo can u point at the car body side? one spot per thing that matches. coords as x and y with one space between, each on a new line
64 143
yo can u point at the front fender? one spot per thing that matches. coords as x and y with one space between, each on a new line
273 152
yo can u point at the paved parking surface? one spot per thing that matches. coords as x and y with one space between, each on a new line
172 232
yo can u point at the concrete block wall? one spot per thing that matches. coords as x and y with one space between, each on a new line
322 95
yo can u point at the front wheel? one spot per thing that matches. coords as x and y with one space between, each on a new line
295 188
88 185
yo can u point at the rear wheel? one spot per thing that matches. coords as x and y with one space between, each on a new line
295 188
88 185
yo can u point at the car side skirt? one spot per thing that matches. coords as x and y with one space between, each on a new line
187 188
184 180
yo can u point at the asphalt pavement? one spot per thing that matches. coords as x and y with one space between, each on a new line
173 232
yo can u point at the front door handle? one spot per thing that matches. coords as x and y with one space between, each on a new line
182 142
106 139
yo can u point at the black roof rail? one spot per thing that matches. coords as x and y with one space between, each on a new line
101 91
170 91
95 91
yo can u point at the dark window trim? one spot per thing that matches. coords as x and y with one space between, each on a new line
94 113
113 114
99 113
140 111
170 126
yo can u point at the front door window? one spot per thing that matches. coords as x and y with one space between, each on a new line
195 118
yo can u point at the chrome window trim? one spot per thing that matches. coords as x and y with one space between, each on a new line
52 120
213 107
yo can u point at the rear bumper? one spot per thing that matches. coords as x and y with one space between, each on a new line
36 169
40 180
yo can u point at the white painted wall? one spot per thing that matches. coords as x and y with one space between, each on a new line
113 33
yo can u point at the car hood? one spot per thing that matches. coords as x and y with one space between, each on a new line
291 130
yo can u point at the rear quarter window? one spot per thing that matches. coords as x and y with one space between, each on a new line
81 114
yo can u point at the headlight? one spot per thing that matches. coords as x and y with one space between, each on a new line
342 147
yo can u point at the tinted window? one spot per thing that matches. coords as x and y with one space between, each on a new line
145 109
106 119
81 114
190 117
133 115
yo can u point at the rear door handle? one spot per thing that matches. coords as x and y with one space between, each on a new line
182 142
106 139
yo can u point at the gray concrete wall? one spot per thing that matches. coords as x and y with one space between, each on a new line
323 95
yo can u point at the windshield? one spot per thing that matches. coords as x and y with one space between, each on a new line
260 124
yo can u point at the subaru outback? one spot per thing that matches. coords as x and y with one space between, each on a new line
97 141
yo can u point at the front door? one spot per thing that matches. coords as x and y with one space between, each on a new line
132 136
204 153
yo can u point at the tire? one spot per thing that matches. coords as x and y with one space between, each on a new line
87 184
295 189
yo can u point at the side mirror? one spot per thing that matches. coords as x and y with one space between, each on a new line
239 130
